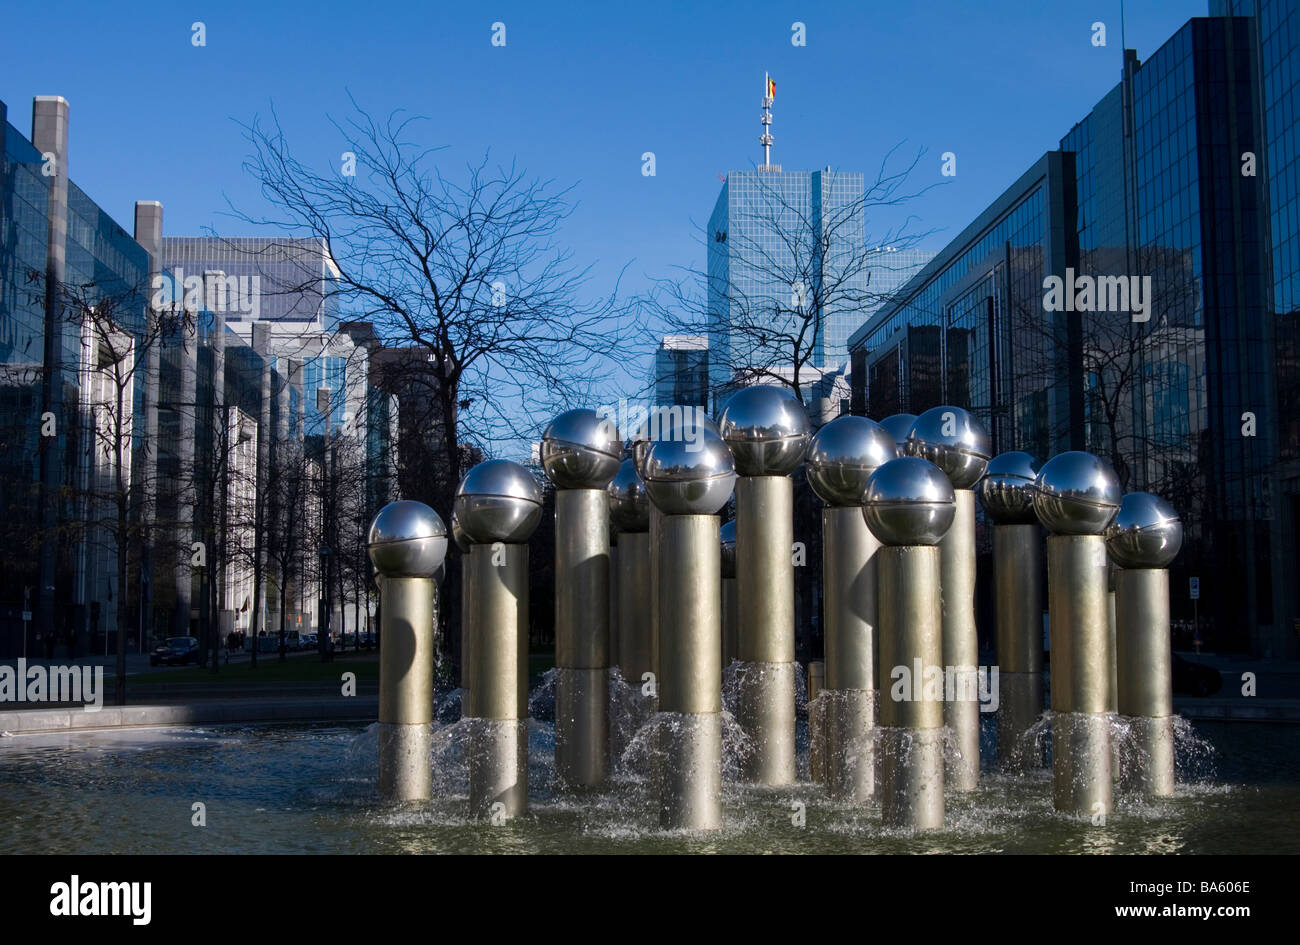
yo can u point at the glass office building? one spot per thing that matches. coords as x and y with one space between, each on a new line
1276 46
1145 199
681 372
786 271
946 338
102 263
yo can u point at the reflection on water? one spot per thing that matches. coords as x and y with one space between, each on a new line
292 789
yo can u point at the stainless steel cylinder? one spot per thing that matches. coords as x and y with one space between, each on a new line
765 610
688 775
730 622
1143 662
498 611
852 643
1080 630
614 574
961 710
690 690
632 628
466 640
1112 691
582 636
656 556
635 647
911 706
406 688
1017 567
817 721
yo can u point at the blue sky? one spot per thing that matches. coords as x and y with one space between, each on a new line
577 94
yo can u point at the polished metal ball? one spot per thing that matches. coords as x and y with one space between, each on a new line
955 441
1076 494
690 478
629 503
667 423
1007 489
407 539
498 501
842 456
727 535
898 426
1146 532
909 501
767 430
458 533
581 450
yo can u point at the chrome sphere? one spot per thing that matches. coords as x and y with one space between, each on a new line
498 501
407 539
898 426
909 501
667 423
727 535
458 533
1007 489
953 440
1146 532
690 478
767 430
1076 494
581 450
629 504
842 456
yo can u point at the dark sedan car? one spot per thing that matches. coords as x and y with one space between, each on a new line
177 651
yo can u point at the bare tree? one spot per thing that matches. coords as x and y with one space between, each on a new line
117 332
467 269
792 262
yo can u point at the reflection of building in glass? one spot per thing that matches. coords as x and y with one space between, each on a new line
681 372
1149 185
1275 45
52 233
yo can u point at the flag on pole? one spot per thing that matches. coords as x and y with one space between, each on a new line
771 87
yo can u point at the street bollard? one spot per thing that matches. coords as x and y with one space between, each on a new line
407 544
689 483
730 618
498 505
841 458
1006 492
909 506
956 442
629 510
767 430
1144 538
1075 497
580 452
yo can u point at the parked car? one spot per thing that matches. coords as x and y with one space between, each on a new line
307 641
292 640
1194 679
175 651
269 643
